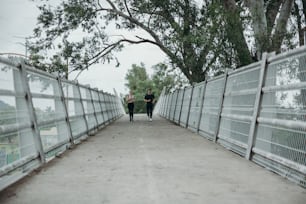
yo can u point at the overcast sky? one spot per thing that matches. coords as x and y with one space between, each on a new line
17 20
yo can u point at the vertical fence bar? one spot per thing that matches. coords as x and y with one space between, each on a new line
169 106
101 101
256 106
98 94
21 104
106 106
106 100
178 91
82 107
33 118
113 106
201 107
93 106
65 109
179 119
189 106
166 105
163 101
110 107
220 107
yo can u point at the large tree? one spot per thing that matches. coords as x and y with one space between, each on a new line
186 31
269 24
139 81
201 38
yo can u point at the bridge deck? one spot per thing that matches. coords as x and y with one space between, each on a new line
151 162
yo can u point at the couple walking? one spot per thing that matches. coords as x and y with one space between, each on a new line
149 99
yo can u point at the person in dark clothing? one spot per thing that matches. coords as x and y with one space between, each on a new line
130 100
149 99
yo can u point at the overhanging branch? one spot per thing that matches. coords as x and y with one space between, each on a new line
145 28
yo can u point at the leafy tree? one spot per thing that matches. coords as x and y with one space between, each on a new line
269 24
164 77
139 81
300 14
187 32
201 38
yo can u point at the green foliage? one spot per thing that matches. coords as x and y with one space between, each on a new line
187 32
201 38
139 81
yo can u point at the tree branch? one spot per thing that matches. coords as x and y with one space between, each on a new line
112 5
148 30
280 29
111 47
271 13
127 8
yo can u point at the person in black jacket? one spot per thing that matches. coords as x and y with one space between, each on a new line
149 99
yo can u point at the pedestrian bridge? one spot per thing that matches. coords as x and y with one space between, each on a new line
151 162
219 141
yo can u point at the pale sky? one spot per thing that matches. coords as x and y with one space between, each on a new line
17 20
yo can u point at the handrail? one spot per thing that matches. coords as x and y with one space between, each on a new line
42 138
244 122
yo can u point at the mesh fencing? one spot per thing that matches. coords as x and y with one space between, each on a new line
41 115
257 111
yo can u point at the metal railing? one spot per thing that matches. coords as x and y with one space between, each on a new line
41 115
258 111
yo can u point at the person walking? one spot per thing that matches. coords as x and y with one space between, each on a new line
149 99
130 101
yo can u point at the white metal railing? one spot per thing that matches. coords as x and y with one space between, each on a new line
41 115
258 111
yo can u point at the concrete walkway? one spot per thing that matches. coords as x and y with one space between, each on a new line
151 162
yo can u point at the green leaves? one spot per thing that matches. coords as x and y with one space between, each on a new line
139 81
199 37
179 28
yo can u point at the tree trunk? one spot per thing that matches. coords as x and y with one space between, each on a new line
234 31
259 26
280 29
299 24
271 13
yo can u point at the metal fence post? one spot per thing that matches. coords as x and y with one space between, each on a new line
163 102
101 101
257 104
106 101
189 107
201 107
33 118
61 91
169 106
167 99
179 119
93 106
110 107
175 104
220 107
106 105
101 108
82 107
